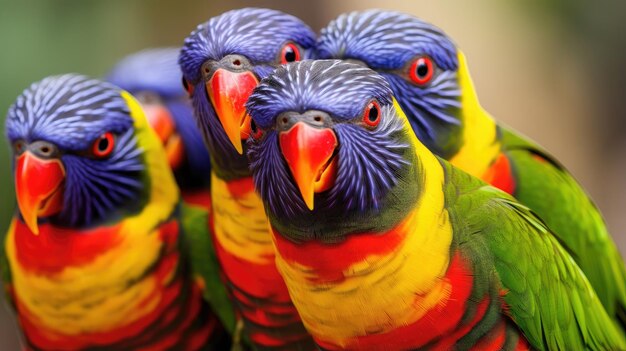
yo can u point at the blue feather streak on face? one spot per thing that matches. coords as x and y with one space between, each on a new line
339 88
272 178
385 40
96 188
368 166
437 102
368 163
67 110
71 111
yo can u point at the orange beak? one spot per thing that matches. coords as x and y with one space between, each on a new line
161 121
38 188
309 154
229 92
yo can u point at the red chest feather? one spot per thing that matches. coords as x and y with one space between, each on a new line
500 174
57 248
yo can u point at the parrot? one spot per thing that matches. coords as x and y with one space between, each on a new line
384 245
222 60
96 257
429 76
153 77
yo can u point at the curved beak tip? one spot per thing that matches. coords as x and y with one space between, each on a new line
238 145
309 203
228 92
33 226
308 152
37 183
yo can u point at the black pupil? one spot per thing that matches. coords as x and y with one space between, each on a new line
422 69
253 127
373 114
290 54
185 84
103 144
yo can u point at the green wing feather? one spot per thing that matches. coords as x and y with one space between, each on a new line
204 263
551 191
548 296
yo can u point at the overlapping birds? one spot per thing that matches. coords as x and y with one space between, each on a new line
297 192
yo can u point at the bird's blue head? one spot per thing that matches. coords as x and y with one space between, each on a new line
75 156
419 61
223 60
327 142
153 77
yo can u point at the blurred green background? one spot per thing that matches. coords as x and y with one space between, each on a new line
553 69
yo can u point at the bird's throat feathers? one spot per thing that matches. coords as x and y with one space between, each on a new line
480 140
372 280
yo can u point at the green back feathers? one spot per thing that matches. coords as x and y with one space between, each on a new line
204 262
551 191
548 296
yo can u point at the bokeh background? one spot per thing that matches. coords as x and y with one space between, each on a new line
553 69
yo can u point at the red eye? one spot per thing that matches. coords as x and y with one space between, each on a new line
289 53
371 115
421 71
255 131
103 146
188 87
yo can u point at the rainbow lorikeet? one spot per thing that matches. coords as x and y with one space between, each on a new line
222 61
153 77
429 76
97 256
384 245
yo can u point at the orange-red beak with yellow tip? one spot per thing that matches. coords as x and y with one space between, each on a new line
162 123
309 152
229 92
38 186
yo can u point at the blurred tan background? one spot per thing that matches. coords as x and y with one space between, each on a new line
553 69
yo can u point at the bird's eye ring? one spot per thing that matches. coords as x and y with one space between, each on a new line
422 70
371 114
103 146
289 53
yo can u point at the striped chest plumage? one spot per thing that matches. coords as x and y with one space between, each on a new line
406 288
246 253
106 287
